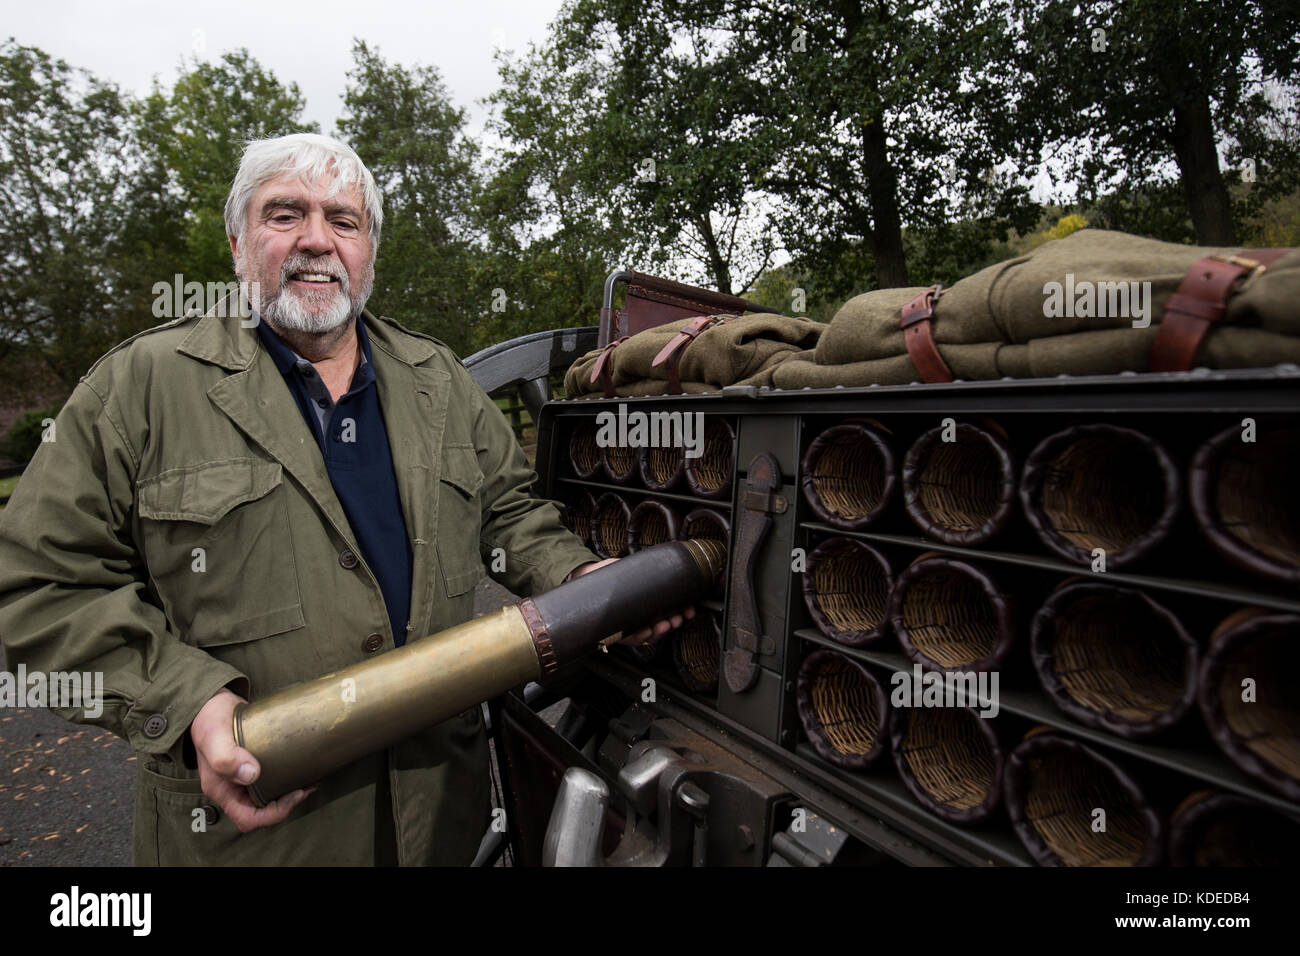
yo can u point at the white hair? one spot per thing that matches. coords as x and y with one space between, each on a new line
310 157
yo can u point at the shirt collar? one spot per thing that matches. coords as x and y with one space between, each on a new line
286 359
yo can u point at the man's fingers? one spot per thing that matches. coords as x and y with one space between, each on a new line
235 763
640 637
247 816
656 631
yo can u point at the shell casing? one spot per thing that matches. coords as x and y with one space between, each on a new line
304 732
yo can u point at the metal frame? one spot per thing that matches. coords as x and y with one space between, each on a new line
875 808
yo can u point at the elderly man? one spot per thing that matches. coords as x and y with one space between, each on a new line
230 507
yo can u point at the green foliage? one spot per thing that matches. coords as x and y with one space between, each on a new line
107 197
1152 99
25 435
1277 224
403 125
862 145
551 231
66 162
194 135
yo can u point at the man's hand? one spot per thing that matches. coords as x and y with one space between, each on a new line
225 768
654 632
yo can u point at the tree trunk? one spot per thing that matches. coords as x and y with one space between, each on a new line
717 264
887 226
882 179
1198 161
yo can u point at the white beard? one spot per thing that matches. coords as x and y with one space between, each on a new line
286 309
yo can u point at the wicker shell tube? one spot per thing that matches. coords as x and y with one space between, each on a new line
712 473
849 474
706 523
609 526
619 463
952 616
1114 659
1243 496
1262 736
1100 486
584 453
846 588
1052 786
950 759
651 523
581 507
1220 829
662 468
961 492
843 708
697 652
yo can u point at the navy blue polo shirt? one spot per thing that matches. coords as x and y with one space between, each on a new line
354 444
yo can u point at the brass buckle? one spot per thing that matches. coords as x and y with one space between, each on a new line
1254 268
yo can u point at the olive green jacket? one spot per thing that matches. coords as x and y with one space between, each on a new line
186 437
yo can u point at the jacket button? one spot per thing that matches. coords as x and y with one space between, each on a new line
210 815
372 643
155 726
348 559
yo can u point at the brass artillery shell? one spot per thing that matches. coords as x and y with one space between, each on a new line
301 734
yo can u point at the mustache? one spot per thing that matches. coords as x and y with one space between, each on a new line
325 267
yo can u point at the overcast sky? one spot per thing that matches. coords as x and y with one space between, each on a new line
132 41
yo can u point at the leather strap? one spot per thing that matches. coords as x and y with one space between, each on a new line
600 371
759 502
672 352
1201 302
918 336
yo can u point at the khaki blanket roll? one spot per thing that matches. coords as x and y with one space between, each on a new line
743 351
1087 304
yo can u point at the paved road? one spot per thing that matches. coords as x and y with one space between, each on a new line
67 790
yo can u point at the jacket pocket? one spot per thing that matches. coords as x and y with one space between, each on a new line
460 518
219 551
177 824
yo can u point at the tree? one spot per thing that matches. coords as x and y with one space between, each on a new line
854 120
66 163
196 133
680 154
402 124
551 232
1138 94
